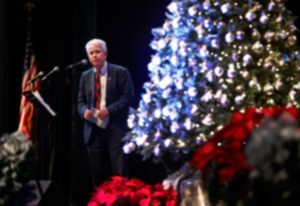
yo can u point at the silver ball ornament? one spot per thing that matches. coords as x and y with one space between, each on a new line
229 37
235 56
264 19
240 35
247 59
258 47
221 26
268 65
292 40
256 35
268 89
278 85
269 35
239 88
250 16
271 6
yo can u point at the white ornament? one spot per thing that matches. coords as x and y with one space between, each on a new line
192 91
219 71
128 148
239 99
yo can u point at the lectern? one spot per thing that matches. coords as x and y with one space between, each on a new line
37 100
39 106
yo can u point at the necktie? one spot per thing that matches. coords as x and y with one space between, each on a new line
97 90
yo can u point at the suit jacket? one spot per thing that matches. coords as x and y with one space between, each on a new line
119 97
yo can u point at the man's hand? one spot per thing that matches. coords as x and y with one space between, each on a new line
87 114
102 113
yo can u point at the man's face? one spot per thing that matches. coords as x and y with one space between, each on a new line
97 56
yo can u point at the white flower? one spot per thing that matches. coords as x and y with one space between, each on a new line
128 148
147 97
156 79
166 92
179 83
165 82
173 114
174 127
194 109
224 100
203 51
157 113
239 99
161 44
174 60
156 60
10 148
207 120
218 94
192 10
225 8
141 140
130 121
210 76
141 122
188 124
156 150
174 45
215 43
292 94
166 111
173 7
176 22
207 23
167 142
207 96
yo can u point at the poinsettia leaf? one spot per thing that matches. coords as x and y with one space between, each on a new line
92 204
145 201
145 191
171 203
155 202
111 199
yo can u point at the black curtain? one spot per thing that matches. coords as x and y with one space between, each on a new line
3 59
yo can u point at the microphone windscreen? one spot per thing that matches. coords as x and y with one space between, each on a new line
84 62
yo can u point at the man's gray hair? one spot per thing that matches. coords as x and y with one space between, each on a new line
98 42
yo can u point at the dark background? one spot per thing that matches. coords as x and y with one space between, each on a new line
60 30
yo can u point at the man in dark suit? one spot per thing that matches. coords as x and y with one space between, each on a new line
104 112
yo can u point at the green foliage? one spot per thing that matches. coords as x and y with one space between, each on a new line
16 155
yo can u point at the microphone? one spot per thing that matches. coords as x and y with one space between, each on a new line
82 62
55 69
39 75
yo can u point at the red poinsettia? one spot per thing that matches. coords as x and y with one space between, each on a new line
124 191
226 148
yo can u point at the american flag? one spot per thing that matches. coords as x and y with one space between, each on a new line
30 70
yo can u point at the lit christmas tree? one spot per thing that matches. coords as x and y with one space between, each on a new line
214 57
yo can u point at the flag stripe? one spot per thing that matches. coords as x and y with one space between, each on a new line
30 70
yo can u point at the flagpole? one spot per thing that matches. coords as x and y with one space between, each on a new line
30 64
29 6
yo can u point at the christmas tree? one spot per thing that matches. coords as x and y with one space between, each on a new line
213 57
